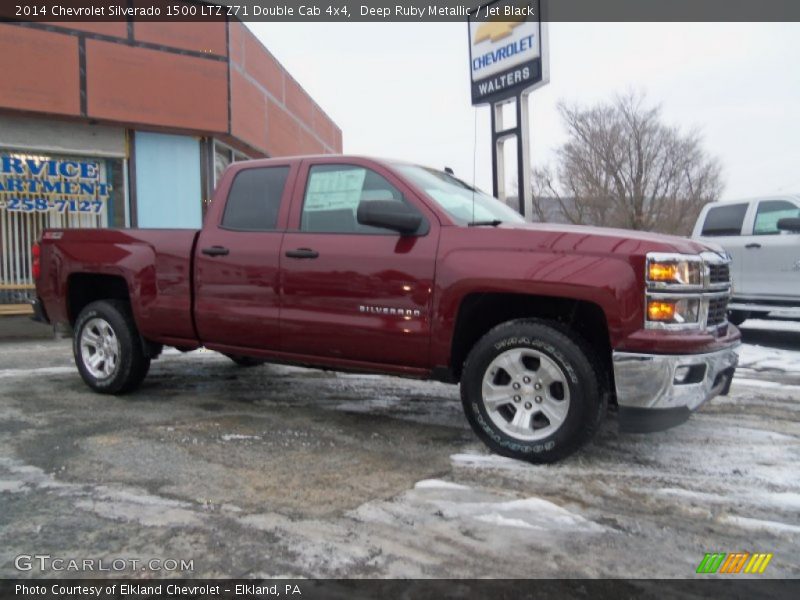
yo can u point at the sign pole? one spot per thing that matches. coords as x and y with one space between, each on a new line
500 134
508 54
524 194
498 157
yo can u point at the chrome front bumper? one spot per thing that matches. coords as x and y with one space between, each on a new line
659 391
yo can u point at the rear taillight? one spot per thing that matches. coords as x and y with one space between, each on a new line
35 267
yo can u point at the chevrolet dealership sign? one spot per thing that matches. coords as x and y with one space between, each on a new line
507 53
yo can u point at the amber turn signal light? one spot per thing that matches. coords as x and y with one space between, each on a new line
663 271
658 310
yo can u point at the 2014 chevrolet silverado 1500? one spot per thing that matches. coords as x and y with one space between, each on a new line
358 264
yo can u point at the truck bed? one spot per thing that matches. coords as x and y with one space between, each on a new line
155 264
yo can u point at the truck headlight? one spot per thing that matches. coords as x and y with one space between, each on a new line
673 311
674 270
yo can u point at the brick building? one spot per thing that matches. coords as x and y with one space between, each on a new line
129 124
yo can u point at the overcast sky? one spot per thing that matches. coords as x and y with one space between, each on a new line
402 89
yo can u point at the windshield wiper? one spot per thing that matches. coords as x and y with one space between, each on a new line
493 223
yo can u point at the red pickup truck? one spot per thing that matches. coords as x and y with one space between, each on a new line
358 264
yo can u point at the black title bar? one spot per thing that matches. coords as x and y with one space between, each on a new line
369 589
344 11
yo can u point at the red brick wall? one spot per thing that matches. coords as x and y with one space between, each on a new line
168 75
39 71
205 37
295 124
138 85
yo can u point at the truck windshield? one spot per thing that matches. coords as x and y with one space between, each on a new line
465 204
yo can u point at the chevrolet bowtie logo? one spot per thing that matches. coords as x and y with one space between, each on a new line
495 30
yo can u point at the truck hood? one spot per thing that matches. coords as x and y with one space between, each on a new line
586 239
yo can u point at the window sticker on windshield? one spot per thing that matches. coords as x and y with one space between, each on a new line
334 190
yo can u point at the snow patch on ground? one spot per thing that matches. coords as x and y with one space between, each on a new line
439 484
126 504
370 405
4 373
787 501
13 486
316 544
228 437
138 506
500 520
774 385
490 461
771 325
760 525
198 353
533 513
756 357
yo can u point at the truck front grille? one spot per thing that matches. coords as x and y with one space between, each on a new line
719 273
718 283
717 311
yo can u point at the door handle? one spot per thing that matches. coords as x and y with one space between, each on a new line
215 251
753 245
302 253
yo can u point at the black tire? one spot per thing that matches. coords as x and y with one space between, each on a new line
587 381
245 361
131 365
737 317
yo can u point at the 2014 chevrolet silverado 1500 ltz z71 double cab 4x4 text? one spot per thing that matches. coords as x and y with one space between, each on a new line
359 264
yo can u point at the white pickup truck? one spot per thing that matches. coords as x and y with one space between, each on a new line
762 236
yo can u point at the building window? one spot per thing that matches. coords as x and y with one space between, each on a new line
223 156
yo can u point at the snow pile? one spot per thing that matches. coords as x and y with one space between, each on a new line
489 461
455 501
771 325
775 527
761 357
528 513
41 371
438 484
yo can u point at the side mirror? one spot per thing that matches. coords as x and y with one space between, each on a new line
389 214
789 224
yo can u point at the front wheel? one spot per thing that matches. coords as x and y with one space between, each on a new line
531 391
107 348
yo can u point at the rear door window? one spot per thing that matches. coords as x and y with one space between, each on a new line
255 199
724 220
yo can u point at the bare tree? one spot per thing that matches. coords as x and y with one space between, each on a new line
623 167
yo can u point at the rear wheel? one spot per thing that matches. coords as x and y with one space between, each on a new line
107 348
245 361
531 391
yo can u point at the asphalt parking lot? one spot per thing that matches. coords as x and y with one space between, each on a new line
285 472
